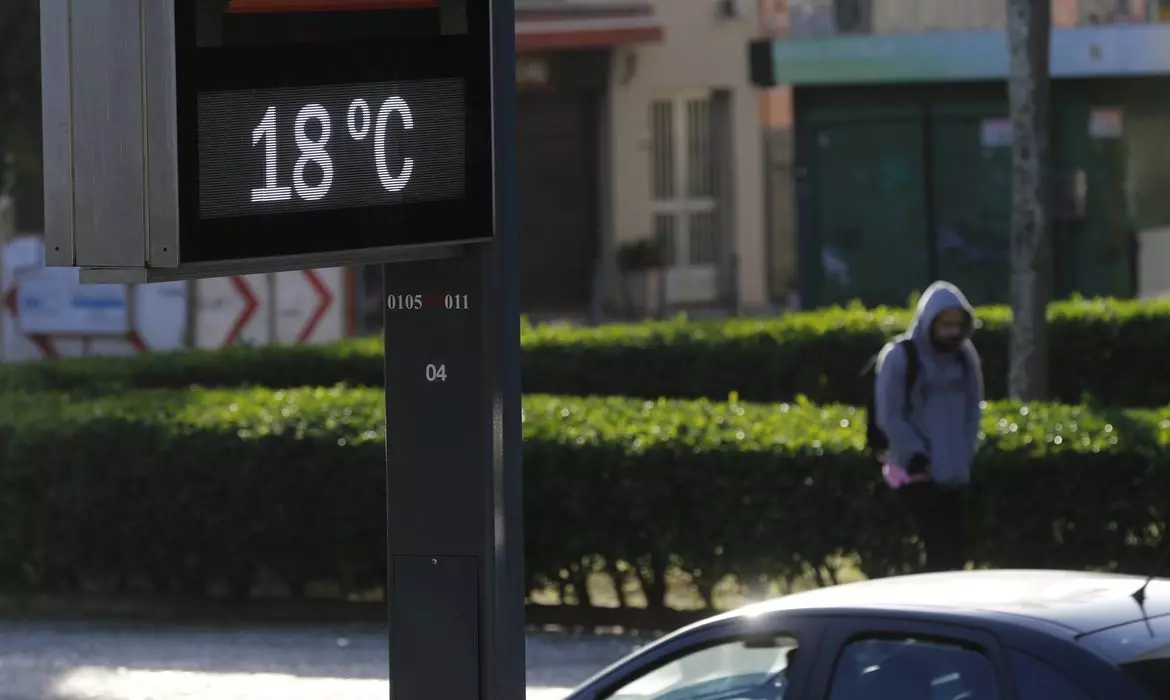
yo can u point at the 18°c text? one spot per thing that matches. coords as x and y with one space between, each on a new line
361 121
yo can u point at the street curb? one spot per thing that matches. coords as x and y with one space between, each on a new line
119 610
113 609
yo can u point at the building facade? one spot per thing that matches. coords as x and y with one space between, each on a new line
892 115
686 155
637 121
566 55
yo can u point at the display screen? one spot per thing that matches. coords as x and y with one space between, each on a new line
334 147
314 132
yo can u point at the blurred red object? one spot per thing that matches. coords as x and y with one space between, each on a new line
245 6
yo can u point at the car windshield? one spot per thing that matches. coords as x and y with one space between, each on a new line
723 688
722 672
1140 649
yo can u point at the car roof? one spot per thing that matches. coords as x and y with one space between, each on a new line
1082 602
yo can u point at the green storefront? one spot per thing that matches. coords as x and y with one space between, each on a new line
903 160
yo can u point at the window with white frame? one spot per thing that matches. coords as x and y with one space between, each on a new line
685 179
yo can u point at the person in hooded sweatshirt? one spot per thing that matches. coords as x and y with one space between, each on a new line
934 437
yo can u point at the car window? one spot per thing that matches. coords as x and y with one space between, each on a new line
911 669
739 668
1037 680
1151 674
1141 650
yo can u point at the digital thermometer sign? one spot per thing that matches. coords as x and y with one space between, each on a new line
191 138
306 132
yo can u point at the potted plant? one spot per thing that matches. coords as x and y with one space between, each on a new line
642 262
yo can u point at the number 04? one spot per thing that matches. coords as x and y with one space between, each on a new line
436 373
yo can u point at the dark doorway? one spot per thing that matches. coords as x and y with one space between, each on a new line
557 170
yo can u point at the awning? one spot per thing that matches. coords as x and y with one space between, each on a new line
541 25
248 6
549 25
1083 52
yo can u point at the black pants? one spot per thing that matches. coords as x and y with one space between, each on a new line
940 519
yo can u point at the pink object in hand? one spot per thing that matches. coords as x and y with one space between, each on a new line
896 476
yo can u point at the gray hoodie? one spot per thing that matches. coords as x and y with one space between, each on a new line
943 419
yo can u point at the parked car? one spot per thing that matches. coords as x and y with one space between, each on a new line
973 635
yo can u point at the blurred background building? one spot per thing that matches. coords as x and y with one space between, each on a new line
661 170
900 147
637 123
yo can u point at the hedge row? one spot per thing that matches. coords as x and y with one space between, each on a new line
180 491
1105 349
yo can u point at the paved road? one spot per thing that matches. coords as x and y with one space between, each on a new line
80 661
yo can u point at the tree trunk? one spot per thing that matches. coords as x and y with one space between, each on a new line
1029 24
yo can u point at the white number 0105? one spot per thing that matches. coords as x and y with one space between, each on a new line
436 373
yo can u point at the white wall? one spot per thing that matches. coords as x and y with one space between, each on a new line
286 304
1154 263
700 50
286 312
221 303
157 312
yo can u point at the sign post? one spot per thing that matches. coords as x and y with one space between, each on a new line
455 532
206 138
453 479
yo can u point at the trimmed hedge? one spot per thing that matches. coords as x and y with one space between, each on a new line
1104 349
178 491
357 362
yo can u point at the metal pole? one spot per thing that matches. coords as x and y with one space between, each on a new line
929 191
454 523
505 654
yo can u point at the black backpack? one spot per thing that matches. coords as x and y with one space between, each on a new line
875 439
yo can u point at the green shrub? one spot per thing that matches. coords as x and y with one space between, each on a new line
181 490
357 362
1104 349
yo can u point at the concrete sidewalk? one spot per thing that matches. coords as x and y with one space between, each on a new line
87 661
